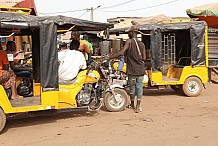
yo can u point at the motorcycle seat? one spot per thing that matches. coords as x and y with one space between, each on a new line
68 82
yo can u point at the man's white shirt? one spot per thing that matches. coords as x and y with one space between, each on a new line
71 61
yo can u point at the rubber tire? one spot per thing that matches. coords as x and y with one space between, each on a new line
2 119
108 95
177 88
198 84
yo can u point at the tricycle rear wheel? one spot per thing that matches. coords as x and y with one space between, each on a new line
2 119
117 103
192 87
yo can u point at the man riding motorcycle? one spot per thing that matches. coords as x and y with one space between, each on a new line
70 62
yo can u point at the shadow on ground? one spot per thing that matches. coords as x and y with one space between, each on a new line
25 119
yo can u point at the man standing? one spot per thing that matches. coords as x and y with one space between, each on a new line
84 48
85 38
134 52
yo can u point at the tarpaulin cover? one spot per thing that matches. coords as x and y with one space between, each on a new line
44 37
203 10
208 13
188 32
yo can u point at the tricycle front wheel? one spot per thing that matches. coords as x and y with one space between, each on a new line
2 119
117 103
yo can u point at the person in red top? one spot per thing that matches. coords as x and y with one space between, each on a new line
7 78
83 45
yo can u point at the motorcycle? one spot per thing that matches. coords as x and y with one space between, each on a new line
116 97
97 87
123 76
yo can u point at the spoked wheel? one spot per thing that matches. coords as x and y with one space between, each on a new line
2 119
117 103
192 87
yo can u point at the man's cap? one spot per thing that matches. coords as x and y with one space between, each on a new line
133 28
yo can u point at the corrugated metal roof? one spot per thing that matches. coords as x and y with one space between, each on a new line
21 4
121 22
9 3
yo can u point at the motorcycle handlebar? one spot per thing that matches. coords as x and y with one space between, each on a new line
91 66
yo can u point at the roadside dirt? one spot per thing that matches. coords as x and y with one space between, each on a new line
167 119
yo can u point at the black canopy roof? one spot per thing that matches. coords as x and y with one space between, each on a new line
162 27
44 40
62 22
195 35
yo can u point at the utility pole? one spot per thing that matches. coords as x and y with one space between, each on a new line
92 12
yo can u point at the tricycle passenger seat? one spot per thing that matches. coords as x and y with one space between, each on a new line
183 61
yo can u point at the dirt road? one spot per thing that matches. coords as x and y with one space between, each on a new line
167 119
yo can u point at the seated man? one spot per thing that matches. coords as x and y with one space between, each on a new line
19 71
70 62
7 78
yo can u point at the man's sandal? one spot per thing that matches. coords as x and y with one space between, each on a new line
138 110
130 107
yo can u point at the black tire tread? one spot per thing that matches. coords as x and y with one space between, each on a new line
2 119
186 83
108 94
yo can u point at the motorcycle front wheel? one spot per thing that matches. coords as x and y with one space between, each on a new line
117 103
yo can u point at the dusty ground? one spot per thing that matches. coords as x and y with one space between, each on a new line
166 120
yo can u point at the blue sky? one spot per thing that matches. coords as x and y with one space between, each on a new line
117 8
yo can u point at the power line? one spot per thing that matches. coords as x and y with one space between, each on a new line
118 4
142 8
82 14
63 12
101 9
86 9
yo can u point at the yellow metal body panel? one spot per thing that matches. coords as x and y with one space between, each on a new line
48 99
15 10
4 101
181 74
206 47
92 77
64 98
116 64
177 75
36 89
67 93
174 72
